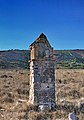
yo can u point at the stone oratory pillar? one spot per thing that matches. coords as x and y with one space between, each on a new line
42 74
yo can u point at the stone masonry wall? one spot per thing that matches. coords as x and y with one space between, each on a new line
42 79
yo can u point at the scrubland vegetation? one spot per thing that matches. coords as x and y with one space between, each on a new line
14 94
14 59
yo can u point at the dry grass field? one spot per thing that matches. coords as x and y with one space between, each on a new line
14 93
70 85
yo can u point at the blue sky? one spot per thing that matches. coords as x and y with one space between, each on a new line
22 21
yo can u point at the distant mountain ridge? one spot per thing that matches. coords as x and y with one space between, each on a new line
17 59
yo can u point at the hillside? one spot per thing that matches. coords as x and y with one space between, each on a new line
69 58
14 59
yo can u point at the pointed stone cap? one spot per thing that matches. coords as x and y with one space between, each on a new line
41 38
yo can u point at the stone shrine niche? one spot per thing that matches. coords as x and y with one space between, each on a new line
41 49
47 53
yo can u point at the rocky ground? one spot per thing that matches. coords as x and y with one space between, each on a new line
14 93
